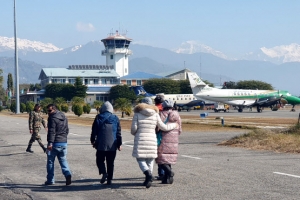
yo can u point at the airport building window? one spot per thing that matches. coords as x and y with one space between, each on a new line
128 82
138 82
111 57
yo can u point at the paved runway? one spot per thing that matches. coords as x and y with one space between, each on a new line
266 113
203 171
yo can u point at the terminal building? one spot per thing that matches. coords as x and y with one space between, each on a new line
99 78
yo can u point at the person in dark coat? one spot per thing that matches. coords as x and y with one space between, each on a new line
58 131
106 138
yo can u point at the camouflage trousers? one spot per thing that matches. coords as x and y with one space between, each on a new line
36 137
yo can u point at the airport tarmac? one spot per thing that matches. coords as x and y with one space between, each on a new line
204 170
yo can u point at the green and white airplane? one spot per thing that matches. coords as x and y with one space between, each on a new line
242 98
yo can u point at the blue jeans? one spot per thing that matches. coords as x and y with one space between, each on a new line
61 153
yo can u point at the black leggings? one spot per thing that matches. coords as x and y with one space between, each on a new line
109 156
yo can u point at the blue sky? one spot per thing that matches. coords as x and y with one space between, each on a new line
233 27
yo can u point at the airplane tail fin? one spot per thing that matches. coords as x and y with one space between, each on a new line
139 90
196 83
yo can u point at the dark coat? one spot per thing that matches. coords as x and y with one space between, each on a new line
106 132
58 129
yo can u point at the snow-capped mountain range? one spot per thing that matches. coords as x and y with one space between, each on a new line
283 61
278 54
7 44
190 47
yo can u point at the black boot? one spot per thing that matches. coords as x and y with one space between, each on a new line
103 179
148 180
29 148
168 178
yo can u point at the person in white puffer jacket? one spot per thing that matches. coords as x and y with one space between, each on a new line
144 122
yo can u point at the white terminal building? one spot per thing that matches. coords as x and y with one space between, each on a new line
98 78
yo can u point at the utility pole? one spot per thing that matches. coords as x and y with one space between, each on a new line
16 64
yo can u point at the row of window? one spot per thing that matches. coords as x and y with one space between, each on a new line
87 81
129 82
102 98
190 99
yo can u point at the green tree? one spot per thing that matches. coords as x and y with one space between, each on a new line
13 107
253 85
10 82
2 91
22 107
121 91
65 107
123 105
164 85
80 89
45 102
29 106
58 101
185 87
229 85
36 86
54 90
87 108
209 83
78 110
77 100
97 104
1 77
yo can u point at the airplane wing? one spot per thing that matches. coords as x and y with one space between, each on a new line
269 101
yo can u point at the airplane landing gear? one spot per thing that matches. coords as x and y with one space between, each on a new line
293 109
259 109
240 110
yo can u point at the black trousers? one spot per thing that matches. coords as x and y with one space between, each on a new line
109 156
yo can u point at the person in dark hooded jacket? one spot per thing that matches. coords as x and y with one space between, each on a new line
58 131
106 138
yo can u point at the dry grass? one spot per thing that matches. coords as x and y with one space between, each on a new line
287 141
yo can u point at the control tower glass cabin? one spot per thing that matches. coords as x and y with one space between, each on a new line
117 52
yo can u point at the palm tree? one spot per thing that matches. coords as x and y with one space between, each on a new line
123 105
97 105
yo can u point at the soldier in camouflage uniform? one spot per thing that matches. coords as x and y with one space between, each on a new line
35 121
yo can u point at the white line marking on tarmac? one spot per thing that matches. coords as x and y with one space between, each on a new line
73 133
191 157
124 143
286 174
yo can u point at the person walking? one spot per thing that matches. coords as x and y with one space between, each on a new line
159 99
35 121
168 149
143 126
58 131
106 138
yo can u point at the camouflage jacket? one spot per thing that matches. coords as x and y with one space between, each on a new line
35 120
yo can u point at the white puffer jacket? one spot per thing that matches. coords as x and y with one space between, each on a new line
143 126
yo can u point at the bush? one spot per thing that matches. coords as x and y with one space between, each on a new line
22 107
64 107
87 108
13 107
78 110
8 106
29 106
1 108
45 102
58 107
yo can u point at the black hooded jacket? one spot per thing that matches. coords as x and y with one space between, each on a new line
57 127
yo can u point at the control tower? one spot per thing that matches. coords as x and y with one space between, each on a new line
117 52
